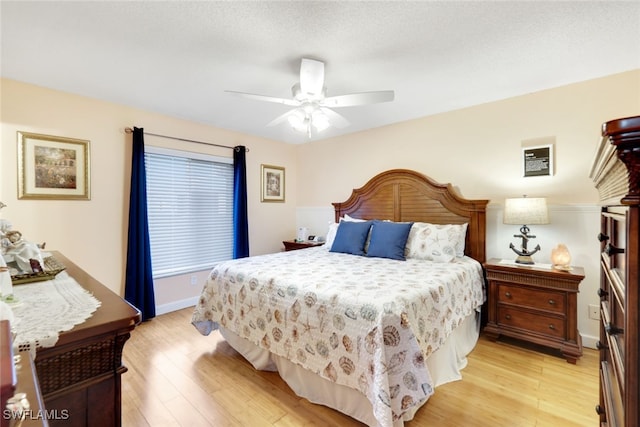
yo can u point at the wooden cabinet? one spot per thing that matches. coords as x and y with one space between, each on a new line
616 174
80 375
535 304
292 245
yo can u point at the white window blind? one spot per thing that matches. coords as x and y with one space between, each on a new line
190 210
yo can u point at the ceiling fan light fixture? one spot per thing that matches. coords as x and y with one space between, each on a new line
312 109
319 120
298 121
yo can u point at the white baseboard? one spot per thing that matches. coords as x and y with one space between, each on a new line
176 305
589 341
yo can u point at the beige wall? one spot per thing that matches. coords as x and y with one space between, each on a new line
93 233
482 145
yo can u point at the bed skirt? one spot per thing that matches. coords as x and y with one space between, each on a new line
444 365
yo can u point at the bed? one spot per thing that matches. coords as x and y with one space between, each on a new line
370 336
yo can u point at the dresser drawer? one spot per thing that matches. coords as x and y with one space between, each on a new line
614 338
534 322
532 297
611 395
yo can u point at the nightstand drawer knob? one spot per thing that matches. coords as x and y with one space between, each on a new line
552 326
507 294
603 237
602 293
508 317
552 302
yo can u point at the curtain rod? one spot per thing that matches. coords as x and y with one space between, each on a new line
129 130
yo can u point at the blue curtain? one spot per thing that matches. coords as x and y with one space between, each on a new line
240 218
138 286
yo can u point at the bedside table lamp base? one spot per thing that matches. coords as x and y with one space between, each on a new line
524 259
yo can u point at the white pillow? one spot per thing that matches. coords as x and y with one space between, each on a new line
346 217
436 242
333 229
331 235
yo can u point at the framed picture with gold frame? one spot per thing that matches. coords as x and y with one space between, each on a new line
271 183
53 167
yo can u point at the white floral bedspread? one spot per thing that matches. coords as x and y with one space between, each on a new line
367 323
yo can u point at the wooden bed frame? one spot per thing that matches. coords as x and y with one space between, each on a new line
405 195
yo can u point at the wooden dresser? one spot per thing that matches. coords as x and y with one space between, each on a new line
616 174
80 376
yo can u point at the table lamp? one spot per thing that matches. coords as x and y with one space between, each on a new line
525 211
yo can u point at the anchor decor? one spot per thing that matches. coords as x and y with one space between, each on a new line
525 211
524 255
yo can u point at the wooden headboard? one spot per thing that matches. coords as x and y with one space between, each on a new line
403 195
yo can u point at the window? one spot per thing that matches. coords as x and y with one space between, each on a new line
190 209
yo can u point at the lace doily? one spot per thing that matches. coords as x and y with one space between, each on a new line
45 309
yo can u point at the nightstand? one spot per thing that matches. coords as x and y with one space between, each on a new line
292 245
534 304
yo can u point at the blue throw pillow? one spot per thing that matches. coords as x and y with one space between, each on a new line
351 237
388 239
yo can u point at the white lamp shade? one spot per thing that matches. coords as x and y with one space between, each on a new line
526 211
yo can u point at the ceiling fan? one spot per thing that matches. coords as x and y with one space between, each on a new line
312 108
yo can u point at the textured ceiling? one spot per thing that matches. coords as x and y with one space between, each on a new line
178 57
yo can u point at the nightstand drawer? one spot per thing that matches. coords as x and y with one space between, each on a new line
534 322
532 297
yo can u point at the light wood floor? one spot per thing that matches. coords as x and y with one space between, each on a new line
178 377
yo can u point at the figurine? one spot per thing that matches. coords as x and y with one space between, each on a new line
24 253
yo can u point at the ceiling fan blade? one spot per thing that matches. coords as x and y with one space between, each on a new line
362 98
281 118
311 76
290 102
335 119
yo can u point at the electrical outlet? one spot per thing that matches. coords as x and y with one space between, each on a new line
194 280
594 312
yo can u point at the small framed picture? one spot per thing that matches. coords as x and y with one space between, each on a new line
53 167
537 161
272 183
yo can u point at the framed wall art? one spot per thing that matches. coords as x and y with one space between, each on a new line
537 161
272 183
53 167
